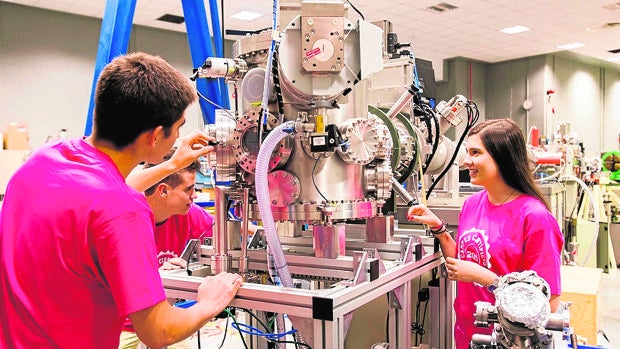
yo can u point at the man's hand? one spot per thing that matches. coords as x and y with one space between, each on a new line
190 148
216 292
161 324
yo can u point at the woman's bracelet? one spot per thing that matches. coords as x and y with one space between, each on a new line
437 230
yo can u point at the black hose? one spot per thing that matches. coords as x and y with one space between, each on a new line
472 117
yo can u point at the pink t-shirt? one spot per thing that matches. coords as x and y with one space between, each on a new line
77 253
516 236
172 235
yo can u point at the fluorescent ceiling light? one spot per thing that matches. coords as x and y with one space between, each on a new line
246 15
515 29
571 46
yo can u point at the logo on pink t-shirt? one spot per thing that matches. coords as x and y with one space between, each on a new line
474 247
165 256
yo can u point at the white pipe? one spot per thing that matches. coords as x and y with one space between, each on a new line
264 202
594 204
555 174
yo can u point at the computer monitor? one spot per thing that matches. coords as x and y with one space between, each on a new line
426 76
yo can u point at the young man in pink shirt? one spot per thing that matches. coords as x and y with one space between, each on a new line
76 243
177 218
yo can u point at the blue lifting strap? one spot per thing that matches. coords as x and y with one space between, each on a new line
113 41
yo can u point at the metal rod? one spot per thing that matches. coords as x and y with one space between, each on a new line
403 193
400 104
243 259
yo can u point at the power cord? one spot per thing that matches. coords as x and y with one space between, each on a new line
417 327
314 182
225 332
269 337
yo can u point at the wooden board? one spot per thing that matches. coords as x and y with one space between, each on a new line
580 286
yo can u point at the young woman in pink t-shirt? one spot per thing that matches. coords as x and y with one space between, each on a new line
507 227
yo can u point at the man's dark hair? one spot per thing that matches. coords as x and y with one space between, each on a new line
138 92
173 179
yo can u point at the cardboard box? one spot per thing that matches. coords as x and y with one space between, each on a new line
580 287
16 137
10 160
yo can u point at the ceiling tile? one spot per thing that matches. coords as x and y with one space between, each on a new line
471 30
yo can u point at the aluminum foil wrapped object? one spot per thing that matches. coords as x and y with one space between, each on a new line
519 299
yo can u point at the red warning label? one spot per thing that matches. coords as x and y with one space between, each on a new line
315 51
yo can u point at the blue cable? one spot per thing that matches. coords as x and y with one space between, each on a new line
184 304
253 331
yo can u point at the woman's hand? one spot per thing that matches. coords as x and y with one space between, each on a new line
467 271
424 215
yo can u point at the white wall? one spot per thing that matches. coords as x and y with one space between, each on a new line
611 122
578 100
586 95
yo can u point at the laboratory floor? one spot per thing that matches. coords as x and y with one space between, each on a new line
610 303
216 334
222 334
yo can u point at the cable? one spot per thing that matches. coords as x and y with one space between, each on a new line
313 182
275 72
269 337
417 327
580 195
356 10
419 112
222 29
264 106
293 342
234 322
295 338
422 331
430 114
472 117
251 330
225 330
230 115
411 167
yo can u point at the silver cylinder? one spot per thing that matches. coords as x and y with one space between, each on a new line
220 264
220 260
329 240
